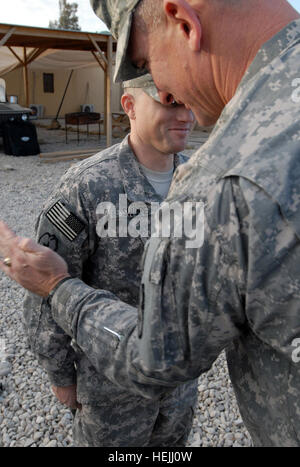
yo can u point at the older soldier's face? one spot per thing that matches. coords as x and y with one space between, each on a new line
180 63
169 68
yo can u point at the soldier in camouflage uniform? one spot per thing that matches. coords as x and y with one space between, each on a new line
108 415
239 290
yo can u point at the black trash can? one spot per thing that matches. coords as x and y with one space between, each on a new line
20 138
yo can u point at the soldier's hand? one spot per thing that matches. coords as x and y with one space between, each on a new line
67 395
35 267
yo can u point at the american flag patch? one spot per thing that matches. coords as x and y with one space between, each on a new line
66 222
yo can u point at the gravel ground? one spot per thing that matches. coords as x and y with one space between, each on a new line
29 413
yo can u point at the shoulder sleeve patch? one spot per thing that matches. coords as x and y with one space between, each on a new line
66 222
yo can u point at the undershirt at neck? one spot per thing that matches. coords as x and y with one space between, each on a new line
160 181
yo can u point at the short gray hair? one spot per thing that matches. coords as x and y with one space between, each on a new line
148 15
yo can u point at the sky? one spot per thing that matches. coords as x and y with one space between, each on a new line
39 12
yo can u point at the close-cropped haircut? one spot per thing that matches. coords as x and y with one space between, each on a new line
149 15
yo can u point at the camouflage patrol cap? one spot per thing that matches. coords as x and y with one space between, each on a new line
145 83
117 15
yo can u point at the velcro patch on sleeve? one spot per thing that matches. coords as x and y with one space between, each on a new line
66 222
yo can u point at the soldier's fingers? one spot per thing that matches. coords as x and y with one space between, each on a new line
4 268
5 232
13 266
8 239
16 264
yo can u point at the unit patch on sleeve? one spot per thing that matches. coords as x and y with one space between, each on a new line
49 241
66 222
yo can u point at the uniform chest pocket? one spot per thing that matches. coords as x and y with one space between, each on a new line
158 252
155 265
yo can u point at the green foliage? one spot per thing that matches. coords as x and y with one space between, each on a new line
68 18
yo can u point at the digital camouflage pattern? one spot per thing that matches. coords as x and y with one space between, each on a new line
117 15
240 290
144 82
113 13
111 416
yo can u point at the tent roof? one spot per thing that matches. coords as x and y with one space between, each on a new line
22 45
51 48
42 38
49 60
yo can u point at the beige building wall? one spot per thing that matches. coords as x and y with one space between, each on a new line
86 87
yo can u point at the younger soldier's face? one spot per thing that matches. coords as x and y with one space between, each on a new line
165 127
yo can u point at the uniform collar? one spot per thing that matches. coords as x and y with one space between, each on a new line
273 48
136 185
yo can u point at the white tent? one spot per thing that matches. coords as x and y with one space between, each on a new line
51 59
39 48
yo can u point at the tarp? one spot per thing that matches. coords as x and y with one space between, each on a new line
7 60
51 59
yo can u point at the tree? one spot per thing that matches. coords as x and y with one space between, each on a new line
68 18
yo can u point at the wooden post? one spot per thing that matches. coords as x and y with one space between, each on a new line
25 74
108 77
105 105
101 58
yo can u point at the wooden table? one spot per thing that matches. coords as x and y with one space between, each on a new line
82 118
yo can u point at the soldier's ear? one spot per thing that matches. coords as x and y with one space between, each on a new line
183 17
128 105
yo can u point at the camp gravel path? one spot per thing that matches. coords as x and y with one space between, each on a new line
29 413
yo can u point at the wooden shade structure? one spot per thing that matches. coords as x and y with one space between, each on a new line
35 41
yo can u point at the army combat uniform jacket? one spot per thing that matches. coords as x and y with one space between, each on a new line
101 192
240 289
